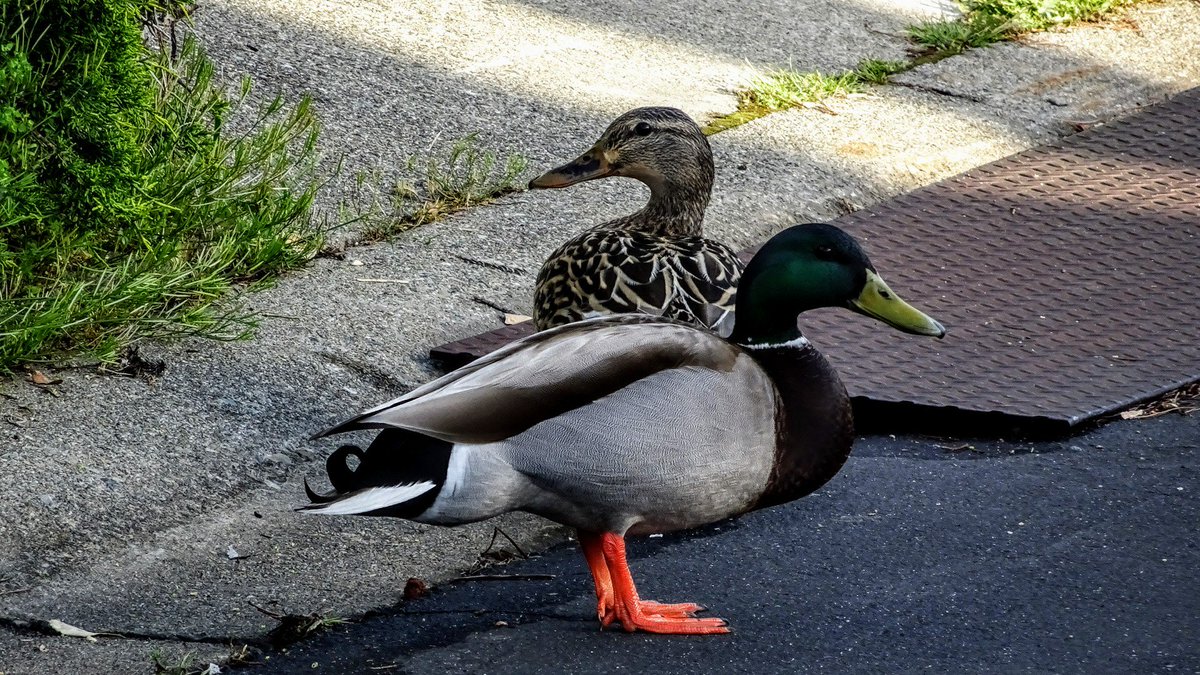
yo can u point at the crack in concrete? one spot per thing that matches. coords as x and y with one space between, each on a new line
939 91
43 627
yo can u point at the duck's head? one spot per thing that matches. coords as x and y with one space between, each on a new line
810 266
661 147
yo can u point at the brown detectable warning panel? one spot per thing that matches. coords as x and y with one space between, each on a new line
1067 276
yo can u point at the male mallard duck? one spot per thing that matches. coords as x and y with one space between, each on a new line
655 261
632 424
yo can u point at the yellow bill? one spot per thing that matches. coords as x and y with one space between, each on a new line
880 302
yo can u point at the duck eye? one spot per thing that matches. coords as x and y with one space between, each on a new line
643 129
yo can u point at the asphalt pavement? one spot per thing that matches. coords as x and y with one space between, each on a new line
923 555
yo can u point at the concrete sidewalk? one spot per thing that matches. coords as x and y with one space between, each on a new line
122 499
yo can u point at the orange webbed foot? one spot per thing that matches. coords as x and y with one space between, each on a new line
607 610
677 610
677 625
618 602
656 617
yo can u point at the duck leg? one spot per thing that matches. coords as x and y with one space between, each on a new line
593 551
618 599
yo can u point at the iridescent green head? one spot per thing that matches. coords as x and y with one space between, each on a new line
810 266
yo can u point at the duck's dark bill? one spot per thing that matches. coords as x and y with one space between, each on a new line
880 302
589 165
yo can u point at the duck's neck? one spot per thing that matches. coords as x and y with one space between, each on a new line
762 329
813 419
675 209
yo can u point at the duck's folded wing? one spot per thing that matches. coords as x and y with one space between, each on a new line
707 284
545 375
690 278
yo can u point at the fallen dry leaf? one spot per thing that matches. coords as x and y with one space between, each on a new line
72 631
512 319
415 588
38 377
233 554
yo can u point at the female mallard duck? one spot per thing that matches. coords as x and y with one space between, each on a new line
655 261
632 424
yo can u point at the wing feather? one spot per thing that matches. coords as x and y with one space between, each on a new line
545 375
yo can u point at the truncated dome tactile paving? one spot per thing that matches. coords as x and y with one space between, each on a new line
1067 276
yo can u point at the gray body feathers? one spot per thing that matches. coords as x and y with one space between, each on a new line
624 423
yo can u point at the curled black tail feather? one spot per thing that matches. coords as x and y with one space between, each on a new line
341 476
316 497
395 457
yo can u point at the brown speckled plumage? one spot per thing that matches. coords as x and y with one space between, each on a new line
655 261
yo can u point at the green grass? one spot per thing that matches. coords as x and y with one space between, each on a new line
984 22
947 38
782 89
184 664
736 118
435 187
117 228
987 22
876 71
136 194
293 628
241 656
1032 15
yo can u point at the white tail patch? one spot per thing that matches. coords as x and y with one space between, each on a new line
372 499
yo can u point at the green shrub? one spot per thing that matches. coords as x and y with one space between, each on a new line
128 205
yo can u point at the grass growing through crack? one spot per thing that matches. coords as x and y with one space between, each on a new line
877 71
182 665
986 22
1031 15
434 187
946 38
293 628
782 89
